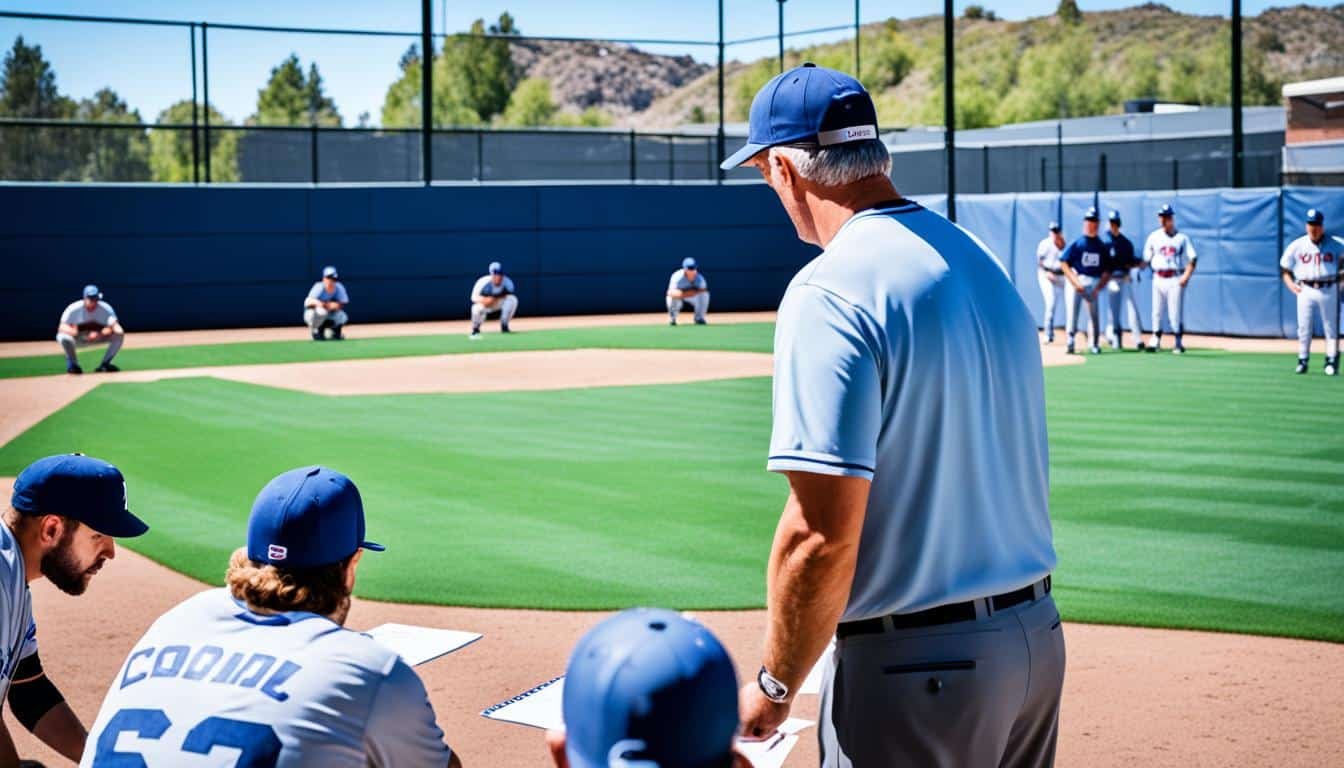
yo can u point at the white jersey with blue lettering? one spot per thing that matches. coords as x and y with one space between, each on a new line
214 684
18 633
1168 253
1313 261
904 356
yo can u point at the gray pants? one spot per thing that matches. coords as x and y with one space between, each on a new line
699 303
71 343
976 693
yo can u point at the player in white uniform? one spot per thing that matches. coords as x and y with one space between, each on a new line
324 308
86 322
262 673
687 286
492 293
1050 275
61 521
1310 269
1171 256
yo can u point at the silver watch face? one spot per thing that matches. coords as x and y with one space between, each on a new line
771 687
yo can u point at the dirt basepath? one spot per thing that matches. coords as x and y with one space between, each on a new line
1133 697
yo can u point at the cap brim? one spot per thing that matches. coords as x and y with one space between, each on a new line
741 156
372 546
128 526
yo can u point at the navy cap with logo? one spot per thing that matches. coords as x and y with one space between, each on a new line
807 105
330 272
91 292
78 487
1054 226
1091 214
650 687
305 518
1165 210
1114 215
1315 216
496 268
688 263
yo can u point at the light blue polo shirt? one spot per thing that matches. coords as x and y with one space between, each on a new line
904 355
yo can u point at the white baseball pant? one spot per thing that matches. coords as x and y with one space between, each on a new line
114 341
1052 287
315 317
1073 300
1167 294
506 307
699 302
1325 301
1120 292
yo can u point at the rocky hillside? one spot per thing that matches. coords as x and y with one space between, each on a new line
619 79
1008 71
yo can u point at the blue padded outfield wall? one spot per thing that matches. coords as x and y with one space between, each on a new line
171 257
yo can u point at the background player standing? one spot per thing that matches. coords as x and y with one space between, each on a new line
492 293
1118 290
1050 276
90 321
1310 269
687 286
1085 263
1172 257
324 309
263 668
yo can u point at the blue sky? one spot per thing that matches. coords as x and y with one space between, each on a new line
150 66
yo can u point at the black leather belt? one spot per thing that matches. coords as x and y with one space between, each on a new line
1320 284
942 614
1053 271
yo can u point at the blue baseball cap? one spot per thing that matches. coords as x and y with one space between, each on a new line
1054 226
305 518
78 487
496 268
1114 215
91 292
807 104
330 272
652 687
1165 210
688 263
1091 214
1315 216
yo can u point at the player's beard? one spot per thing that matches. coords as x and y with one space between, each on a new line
62 569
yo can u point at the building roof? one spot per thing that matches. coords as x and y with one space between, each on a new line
1313 87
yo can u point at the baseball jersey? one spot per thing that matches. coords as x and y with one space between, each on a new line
214 684
1088 256
1121 253
903 355
18 633
1313 261
484 287
1168 253
79 316
680 283
319 291
1047 254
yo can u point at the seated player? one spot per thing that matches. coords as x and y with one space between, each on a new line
87 322
263 672
648 687
324 309
493 294
687 286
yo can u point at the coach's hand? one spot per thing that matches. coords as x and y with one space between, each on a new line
761 717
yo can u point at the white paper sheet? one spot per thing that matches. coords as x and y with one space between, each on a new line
543 707
812 684
416 645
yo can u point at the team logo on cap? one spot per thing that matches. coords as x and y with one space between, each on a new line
842 135
276 552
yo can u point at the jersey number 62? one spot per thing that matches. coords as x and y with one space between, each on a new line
258 745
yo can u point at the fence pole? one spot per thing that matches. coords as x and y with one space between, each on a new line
717 171
949 110
205 86
984 167
633 160
426 92
1042 173
1059 155
781 35
671 159
195 137
480 155
858 70
1101 172
1238 138
312 140
1175 173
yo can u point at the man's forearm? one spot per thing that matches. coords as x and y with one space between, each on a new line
61 730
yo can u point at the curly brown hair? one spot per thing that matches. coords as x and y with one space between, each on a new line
319 590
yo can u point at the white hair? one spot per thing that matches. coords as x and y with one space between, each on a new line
841 164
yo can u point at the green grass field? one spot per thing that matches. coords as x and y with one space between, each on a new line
739 337
1205 491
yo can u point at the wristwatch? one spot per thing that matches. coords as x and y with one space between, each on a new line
774 689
